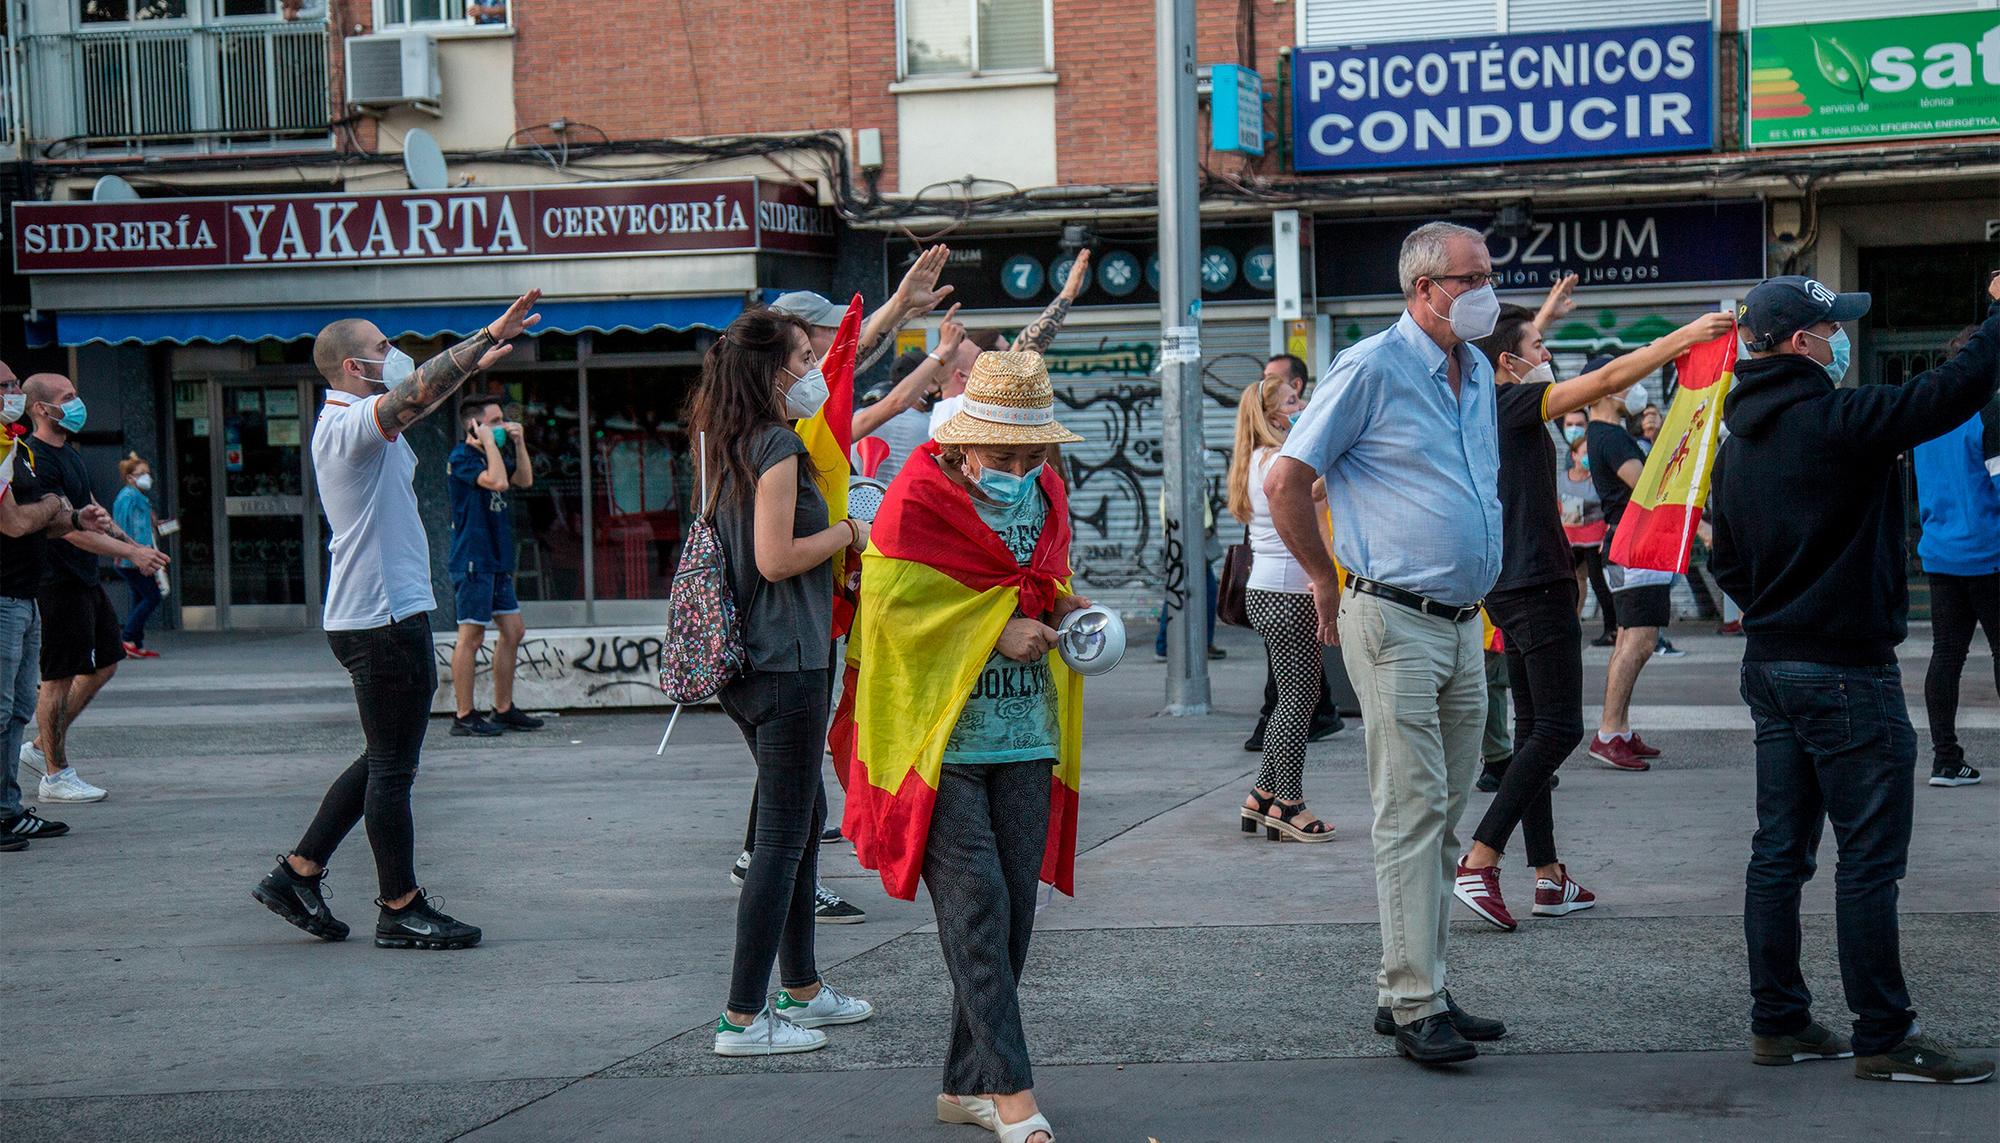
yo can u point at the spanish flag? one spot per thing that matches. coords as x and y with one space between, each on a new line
828 435
937 588
1657 531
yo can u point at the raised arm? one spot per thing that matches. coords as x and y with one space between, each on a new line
437 379
1555 307
1622 373
1042 331
905 394
918 293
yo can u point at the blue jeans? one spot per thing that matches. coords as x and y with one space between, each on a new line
1160 636
1833 744
20 680
145 599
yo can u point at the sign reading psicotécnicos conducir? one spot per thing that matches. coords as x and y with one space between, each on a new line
1505 99
1906 77
466 225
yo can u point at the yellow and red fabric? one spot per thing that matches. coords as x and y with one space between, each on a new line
828 434
937 588
1657 530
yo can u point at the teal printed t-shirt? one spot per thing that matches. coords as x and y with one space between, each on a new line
1011 716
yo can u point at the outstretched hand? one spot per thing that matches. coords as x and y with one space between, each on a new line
1708 327
512 324
1079 276
1559 303
919 291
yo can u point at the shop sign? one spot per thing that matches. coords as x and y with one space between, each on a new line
1621 246
286 231
1236 109
1902 78
1504 99
1235 263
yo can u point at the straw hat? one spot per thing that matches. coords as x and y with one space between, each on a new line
1008 401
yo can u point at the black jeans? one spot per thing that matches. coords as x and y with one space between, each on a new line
1592 558
1545 671
395 675
783 718
1833 744
1958 604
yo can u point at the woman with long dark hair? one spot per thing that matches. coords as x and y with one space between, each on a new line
758 377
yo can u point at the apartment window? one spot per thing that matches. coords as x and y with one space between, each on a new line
90 12
452 13
1348 22
973 37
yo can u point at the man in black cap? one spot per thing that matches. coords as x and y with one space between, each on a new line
1809 524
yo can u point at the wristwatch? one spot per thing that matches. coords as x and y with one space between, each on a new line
75 520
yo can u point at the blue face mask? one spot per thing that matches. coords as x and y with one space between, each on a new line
1573 433
1293 419
1004 488
73 414
1843 354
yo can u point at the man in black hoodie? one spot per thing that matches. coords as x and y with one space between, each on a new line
1809 524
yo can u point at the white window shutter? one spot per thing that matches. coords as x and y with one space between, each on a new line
1010 35
1332 23
1569 15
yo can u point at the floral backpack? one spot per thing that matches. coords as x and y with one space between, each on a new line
702 649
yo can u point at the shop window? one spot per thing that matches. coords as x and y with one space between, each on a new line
973 37
548 517
642 479
448 13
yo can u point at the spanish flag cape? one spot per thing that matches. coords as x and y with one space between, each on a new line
937 587
828 434
1657 530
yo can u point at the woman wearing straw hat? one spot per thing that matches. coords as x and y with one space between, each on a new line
968 730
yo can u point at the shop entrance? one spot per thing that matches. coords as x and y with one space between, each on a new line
251 546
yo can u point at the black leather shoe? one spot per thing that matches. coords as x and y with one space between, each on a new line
1469 1026
1432 1040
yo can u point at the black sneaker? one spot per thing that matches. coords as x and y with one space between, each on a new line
1954 774
28 826
1255 743
1321 731
1215 653
1813 1042
11 844
418 925
740 869
1605 640
830 835
299 900
513 719
830 909
1489 780
473 725
1921 1059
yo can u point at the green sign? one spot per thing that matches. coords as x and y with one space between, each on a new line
1900 78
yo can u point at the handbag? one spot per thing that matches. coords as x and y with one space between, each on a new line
1231 604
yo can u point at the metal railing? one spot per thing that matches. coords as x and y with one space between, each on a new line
218 87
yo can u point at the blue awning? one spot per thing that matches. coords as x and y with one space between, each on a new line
185 327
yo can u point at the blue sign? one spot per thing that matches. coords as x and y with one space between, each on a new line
1118 273
1236 109
1505 99
1021 277
1218 269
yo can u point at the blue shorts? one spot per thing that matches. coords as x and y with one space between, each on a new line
483 595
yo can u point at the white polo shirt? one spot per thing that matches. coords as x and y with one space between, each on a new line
381 557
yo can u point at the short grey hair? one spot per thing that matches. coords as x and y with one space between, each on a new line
1427 252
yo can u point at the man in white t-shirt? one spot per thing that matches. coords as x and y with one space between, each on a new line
378 600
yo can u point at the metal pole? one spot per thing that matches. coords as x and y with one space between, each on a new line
1180 361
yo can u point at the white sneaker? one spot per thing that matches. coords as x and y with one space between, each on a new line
829 1006
33 758
740 870
768 1035
65 786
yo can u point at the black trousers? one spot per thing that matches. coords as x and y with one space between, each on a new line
395 675
1958 604
1545 670
782 715
989 829
1592 558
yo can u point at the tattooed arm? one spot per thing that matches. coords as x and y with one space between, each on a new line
1043 330
437 379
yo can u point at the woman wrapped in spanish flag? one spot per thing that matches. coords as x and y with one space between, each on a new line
967 729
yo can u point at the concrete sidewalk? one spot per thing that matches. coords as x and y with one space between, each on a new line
1203 984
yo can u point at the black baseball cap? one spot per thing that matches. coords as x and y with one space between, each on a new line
1777 308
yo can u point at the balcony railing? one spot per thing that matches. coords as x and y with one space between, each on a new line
227 87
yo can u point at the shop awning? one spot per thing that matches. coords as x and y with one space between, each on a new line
185 327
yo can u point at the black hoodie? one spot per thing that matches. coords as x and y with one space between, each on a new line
1807 501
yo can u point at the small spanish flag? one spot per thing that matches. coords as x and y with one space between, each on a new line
937 588
828 435
1657 530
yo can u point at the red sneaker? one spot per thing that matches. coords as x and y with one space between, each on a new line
1561 897
1617 753
1640 748
1733 627
134 651
1479 891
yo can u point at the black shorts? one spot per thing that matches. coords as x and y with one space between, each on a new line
80 632
1650 606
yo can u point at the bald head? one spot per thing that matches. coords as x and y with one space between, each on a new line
8 382
344 340
53 388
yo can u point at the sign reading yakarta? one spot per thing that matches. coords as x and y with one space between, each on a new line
434 226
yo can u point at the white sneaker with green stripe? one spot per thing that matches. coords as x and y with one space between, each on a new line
829 1006
767 1035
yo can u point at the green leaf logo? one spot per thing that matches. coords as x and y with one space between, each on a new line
1838 66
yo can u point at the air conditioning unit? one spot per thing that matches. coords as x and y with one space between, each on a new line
390 69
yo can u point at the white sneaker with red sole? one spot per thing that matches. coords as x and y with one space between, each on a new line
1561 897
1479 891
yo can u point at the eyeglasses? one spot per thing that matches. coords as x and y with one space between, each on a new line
1473 281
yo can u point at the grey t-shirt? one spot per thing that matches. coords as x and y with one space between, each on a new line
788 625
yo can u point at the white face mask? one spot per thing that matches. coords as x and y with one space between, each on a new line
1474 313
1635 400
806 395
1544 373
12 406
396 368
143 482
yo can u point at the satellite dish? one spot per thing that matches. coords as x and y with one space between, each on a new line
423 161
111 188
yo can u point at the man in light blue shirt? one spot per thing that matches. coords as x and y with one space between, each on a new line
1404 433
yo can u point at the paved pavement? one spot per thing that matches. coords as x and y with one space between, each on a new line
1203 985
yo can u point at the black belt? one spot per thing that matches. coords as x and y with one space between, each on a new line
1457 613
